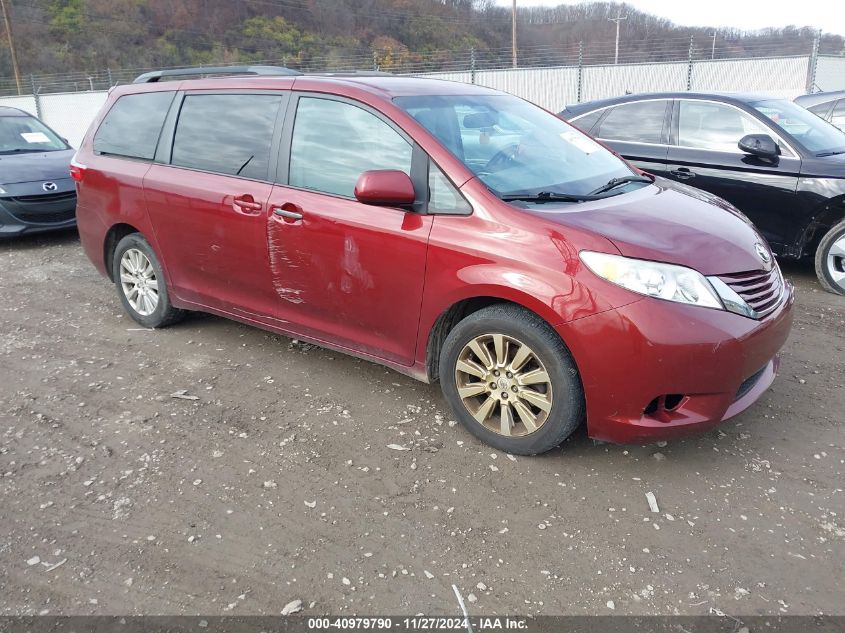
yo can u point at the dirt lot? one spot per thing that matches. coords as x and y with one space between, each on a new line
276 483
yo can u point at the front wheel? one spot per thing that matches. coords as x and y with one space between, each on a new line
830 260
511 381
140 283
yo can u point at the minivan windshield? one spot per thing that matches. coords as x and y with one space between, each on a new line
815 134
26 134
519 150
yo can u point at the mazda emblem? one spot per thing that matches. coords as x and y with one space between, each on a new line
763 253
49 186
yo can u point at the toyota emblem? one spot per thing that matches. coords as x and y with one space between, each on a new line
763 252
49 186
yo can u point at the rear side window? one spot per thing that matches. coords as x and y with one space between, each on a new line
716 126
132 126
586 122
640 122
334 142
226 134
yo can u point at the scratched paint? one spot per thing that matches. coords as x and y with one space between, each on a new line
282 263
354 277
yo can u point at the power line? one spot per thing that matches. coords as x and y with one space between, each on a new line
7 19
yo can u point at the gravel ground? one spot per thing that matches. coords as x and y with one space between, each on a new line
271 478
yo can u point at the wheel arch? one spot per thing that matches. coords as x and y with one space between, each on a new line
827 215
113 236
459 310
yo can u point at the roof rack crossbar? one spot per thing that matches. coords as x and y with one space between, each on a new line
158 75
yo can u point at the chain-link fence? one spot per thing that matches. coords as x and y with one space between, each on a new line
550 77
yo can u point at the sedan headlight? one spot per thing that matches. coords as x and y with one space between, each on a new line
653 279
2 191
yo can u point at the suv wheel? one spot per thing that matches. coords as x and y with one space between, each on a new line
141 285
830 260
511 381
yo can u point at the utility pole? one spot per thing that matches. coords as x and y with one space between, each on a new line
7 18
619 17
513 33
713 50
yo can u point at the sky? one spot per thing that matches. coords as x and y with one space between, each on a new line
828 15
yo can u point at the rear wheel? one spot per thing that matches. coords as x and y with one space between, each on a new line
511 381
140 283
830 260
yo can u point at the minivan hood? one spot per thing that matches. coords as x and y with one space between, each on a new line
42 166
672 223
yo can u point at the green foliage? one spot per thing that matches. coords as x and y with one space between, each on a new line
67 16
278 35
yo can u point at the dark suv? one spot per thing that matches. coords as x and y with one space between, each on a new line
36 191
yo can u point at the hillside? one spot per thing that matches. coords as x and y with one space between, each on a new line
59 36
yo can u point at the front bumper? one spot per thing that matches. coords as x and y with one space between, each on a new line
33 214
656 370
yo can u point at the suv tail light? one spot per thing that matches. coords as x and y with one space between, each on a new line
77 171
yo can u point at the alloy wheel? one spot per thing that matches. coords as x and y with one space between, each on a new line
504 385
138 281
836 262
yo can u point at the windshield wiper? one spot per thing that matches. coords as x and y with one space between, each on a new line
830 153
22 151
547 196
615 182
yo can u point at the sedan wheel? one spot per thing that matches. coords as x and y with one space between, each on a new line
830 260
836 262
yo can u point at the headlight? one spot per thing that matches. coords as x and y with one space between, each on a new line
2 191
653 279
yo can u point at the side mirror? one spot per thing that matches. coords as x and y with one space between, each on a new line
385 187
760 145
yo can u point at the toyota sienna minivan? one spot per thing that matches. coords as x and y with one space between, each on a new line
454 233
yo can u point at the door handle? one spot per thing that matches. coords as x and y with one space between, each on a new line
288 211
682 173
246 203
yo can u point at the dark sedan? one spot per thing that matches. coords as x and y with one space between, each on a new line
36 190
778 163
828 105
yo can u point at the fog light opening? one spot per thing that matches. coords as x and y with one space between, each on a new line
664 404
673 401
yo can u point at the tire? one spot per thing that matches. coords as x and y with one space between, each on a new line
830 260
499 333
135 266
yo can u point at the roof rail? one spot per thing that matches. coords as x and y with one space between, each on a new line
158 75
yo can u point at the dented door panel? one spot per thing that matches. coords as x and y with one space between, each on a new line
348 272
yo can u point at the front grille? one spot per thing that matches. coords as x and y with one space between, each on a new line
50 208
47 197
760 289
45 218
748 384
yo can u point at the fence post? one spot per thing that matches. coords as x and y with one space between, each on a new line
580 69
35 96
813 62
375 61
472 65
689 62
111 79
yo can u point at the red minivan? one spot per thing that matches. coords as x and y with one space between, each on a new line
451 232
